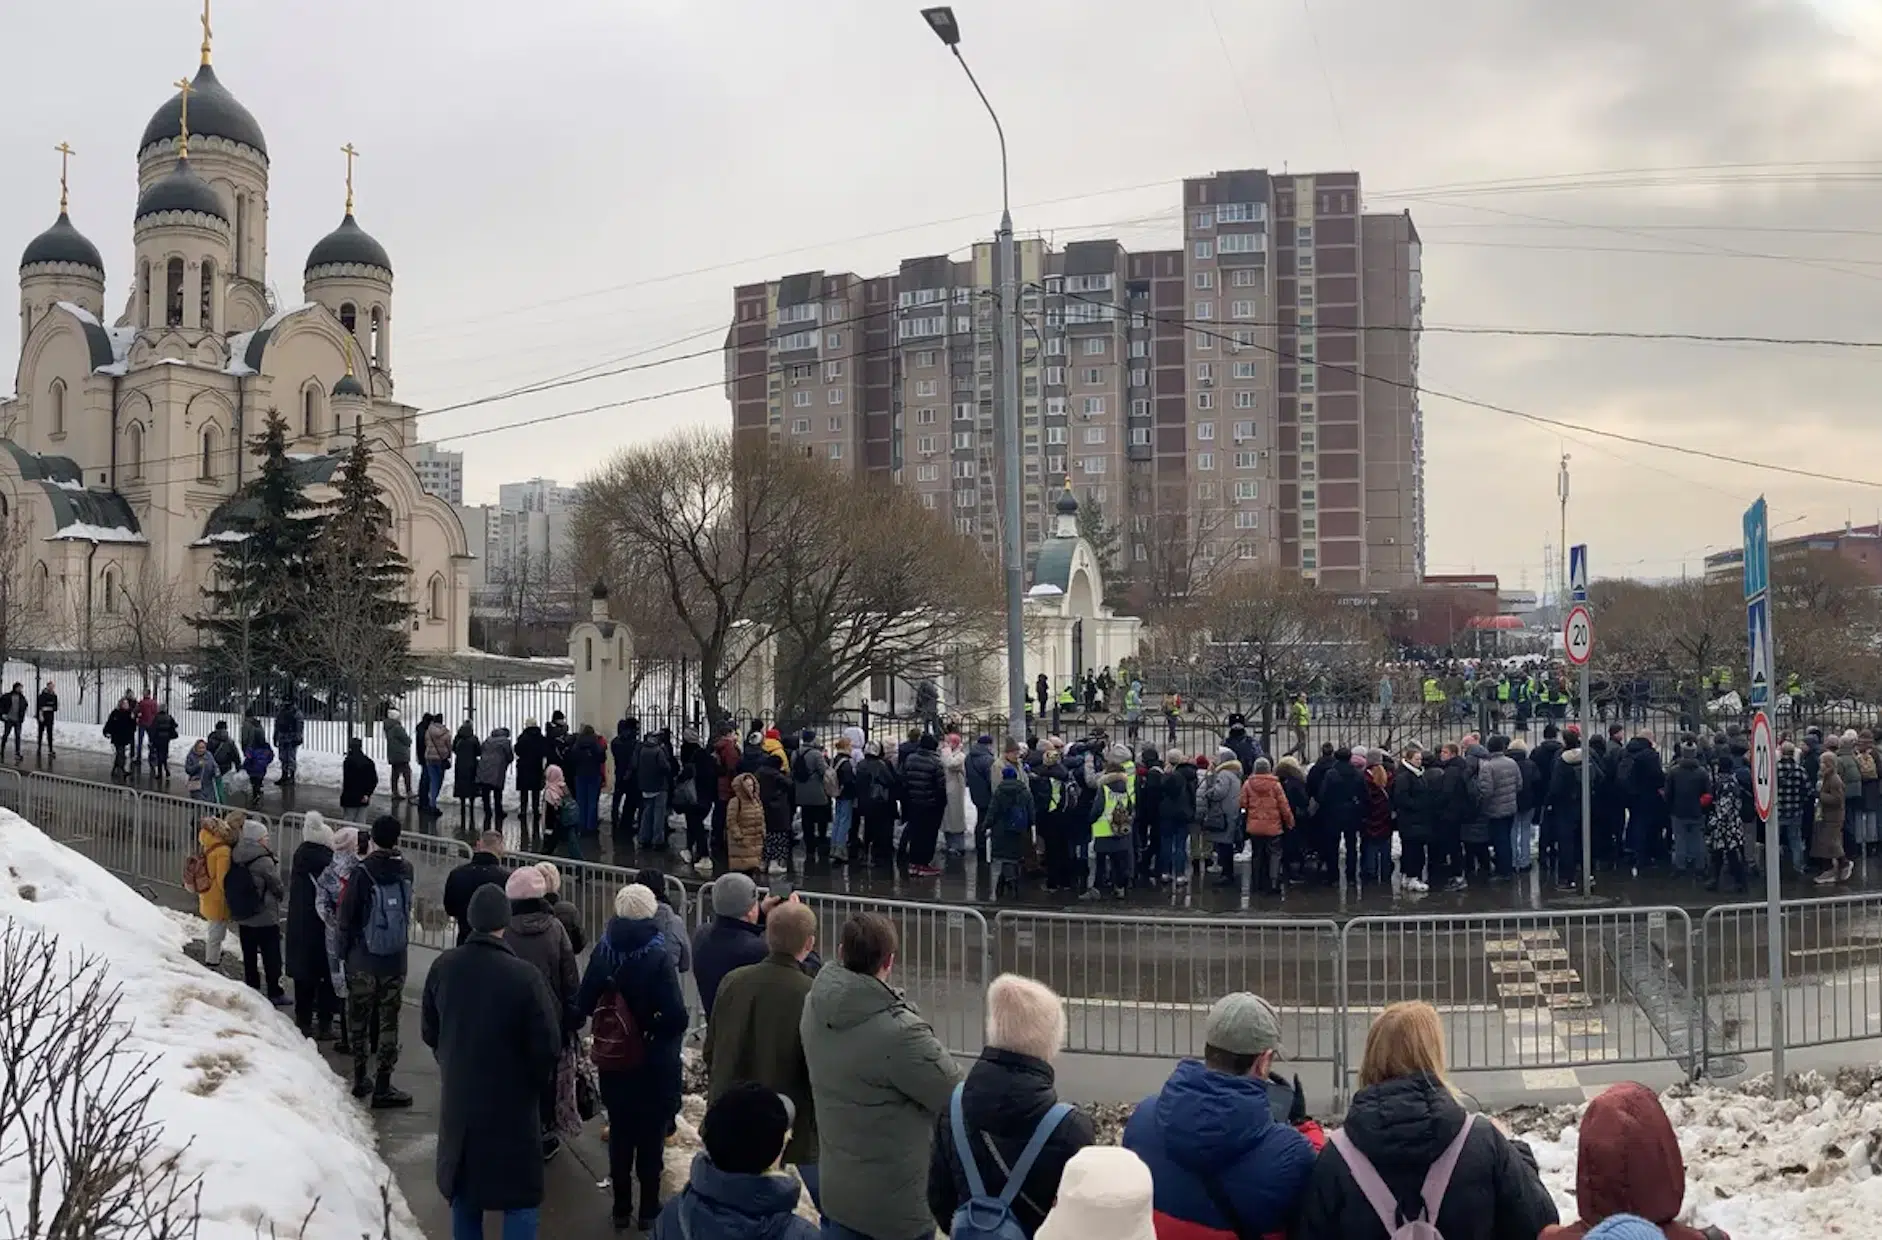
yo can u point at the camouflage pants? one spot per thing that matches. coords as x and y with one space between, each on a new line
372 1016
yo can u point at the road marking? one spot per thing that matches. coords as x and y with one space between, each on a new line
1550 1078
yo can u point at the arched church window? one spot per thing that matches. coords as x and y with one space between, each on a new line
349 316
42 584
209 454
26 322
57 396
378 323
143 294
111 591
134 450
208 309
173 294
241 233
436 590
309 408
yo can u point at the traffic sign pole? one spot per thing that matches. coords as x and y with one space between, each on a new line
1578 648
1759 651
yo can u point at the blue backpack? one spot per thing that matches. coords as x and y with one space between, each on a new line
982 1217
388 918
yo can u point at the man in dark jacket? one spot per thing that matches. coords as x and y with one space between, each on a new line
46 711
753 1033
398 757
1226 1129
289 730
1245 746
924 802
532 759
1545 756
485 868
1458 806
358 777
1643 784
733 938
489 1018
653 778
379 891
1564 808
1007 1095
1414 808
979 773
1342 813
625 749
1687 784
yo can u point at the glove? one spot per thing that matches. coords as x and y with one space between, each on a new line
1297 1114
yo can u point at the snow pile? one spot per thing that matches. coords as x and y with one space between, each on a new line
1759 1169
268 1126
86 532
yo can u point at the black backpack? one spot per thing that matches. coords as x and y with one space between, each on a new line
241 892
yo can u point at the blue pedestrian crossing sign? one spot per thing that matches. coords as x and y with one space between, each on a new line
1757 550
1578 572
1758 642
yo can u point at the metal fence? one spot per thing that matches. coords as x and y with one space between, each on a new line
1516 991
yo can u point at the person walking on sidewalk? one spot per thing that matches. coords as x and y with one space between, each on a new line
146 716
490 1020
289 731
46 711
215 841
358 777
316 1002
163 731
13 717
375 918
254 891
121 730
436 750
493 772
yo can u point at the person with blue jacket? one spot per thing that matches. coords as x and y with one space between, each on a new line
632 959
1228 1144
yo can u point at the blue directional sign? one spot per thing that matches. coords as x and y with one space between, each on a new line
1578 572
1757 550
1758 642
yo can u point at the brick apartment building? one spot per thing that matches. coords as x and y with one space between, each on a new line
1251 396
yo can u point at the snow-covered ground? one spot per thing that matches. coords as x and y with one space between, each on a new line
268 1124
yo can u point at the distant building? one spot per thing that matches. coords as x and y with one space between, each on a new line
440 473
1859 546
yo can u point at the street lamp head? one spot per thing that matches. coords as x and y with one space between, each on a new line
941 20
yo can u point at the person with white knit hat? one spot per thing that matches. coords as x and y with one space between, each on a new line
632 992
1105 1194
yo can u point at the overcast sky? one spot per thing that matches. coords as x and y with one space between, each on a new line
566 184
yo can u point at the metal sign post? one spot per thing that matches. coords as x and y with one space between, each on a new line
1759 651
1578 649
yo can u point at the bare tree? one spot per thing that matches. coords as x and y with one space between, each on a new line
1174 553
697 526
28 612
146 628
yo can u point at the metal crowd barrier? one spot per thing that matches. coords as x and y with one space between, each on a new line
1525 991
941 962
1832 974
1144 985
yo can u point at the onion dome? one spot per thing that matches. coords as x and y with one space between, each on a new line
62 243
180 190
349 386
349 244
213 113
1068 503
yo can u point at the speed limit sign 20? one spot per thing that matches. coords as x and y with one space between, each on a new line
1578 635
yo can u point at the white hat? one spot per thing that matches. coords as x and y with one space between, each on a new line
1104 1194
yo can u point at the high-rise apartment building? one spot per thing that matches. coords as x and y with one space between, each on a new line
440 473
1249 397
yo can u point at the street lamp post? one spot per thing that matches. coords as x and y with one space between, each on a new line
1006 424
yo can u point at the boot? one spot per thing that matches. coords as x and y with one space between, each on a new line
385 1095
362 1084
323 1029
1714 865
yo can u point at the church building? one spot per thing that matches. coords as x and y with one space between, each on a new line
125 444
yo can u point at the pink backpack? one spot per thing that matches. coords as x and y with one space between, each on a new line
1385 1205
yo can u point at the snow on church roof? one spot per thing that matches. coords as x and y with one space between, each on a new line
246 348
109 346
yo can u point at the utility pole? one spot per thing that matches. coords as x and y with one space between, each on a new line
1561 494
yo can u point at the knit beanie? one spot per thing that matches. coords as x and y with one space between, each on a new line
744 1131
634 902
1625 1227
527 883
314 829
489 910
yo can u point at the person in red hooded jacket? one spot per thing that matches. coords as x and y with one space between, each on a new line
1629 1163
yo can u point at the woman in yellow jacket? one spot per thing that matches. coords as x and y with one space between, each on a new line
216 838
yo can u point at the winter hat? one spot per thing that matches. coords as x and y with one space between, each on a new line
985 738
1202 763
1622 1227
807 736
255 830
551 877
489 910
314 829
854 735
745 1130
1104 1194
772 734
1007 772
526 883
392 715
755 738
1225 754
635 903
928 742
733 895
873 749
1358 758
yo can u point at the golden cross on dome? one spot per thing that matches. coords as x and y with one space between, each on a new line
351 155
65 162
207 32
183 139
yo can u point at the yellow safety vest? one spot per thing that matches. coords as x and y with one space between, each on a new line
1300 714
1432 691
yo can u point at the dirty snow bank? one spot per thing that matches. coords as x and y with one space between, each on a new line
268 1126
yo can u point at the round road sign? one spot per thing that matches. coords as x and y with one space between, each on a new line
1578 635
1763 765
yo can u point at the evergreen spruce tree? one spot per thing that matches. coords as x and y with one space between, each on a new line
255 621
360 593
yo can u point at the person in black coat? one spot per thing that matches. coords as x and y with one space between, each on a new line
1413 809
631 960
1401 1121
1342 813
924 802
315 1001
625 750
359 776
532 759
465 750
121 730
484 869
493 1025
1457 804
1564 810
1007 1092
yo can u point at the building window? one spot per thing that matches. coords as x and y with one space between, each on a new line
927 473
1205 400
964 439
1140 409
207 309
964 469
1055 347
173 294
57 398
1243 243
1309 439
1205 461
1247 460
1306 321
800 400
349 317
836 451
143 293
1055 406
964 526
927 499
800 426
924 358
836 424
1094 346
134 449
1244 430
1205 430
1204 340
1055 464
1244 400
926 387
209 454
1304 265
1245 370
1202 310
1205 218
1306 379
832 371
1204 250
925 416
1091 464
836 396
375 342
1094 434
1247 489
964 499
1093 406
1205 371
1140 436
1140 378
1093 376
435 606
1055 376
964 412
927 443
1205 280
1055 434
833 340
1247 520
1246 277
110 590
